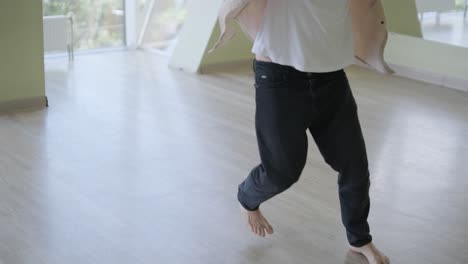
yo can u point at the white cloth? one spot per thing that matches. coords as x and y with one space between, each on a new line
309 35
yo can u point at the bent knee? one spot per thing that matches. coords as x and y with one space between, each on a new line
285 180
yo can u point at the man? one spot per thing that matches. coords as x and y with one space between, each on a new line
301 50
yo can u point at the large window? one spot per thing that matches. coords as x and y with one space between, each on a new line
444 21
161 23
97 23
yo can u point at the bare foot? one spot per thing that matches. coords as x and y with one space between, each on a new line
257 222
373 255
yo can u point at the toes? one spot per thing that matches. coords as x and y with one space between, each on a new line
259 231
262 231
258 225
384 260
267 226
256 230
252 228
269 229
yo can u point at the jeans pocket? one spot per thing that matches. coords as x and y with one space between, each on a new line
269 79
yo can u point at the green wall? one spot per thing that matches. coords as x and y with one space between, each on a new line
402 17
238 49
21 50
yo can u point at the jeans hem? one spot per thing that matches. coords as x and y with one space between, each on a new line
361 243
245 206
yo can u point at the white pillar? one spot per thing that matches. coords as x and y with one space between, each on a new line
195 35
131 23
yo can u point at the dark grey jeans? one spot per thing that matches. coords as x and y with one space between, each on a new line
290 102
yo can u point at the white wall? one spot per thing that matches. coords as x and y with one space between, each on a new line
195 36
430 61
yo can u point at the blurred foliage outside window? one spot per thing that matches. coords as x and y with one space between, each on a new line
96 23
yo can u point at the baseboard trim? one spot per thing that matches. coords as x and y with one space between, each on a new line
431 77
426 76
27 104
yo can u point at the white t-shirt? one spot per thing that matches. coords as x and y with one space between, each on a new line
309 35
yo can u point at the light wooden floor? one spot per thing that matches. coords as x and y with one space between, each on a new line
135 163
